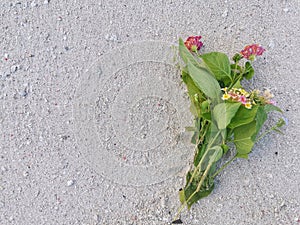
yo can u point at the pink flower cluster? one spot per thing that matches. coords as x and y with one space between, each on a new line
238 95
248 99
250 51
193 43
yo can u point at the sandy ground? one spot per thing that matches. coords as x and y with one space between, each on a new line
92 112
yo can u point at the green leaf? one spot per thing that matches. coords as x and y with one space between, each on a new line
243 138
249 71
219 64
205 82
270 107
261 117
243 116
193 91
244 156
205 106
224 112
237 84
225 148
207 116
200 194
199 153
186 55
281 122
217 154
237 57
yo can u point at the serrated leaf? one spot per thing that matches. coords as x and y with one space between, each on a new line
219 64
205 82
224 112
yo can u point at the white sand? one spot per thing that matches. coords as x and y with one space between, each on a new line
62 167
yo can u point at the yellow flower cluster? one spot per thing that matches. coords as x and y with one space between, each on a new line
248 99
238 95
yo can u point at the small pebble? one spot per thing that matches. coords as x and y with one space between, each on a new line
70 183
13 68
271 44
33 4
97 218
23 93
3 168
25 173
46 2
112 37
286 10
225 13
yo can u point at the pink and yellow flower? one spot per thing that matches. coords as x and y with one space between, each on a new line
225 96
243 99
251 51
193 43
248 105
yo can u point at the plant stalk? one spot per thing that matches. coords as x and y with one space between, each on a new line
224 166
202 159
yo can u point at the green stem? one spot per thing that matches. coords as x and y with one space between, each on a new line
224 166
202 159
195 192
265 133
202 178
